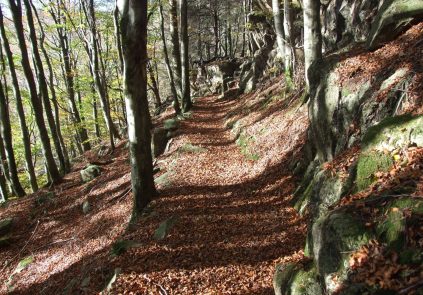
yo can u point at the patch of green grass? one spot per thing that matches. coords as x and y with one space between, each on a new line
190 148
245 141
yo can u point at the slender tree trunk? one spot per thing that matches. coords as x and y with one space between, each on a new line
118 35
155 88
19 107
186 87
289 37
134 41
176 49
42 81
167 62
6 134
312 35
16 10
4 171
95 115
69 77
216 32
98 81
56 113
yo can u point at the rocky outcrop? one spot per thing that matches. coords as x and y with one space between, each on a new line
393 17
264 38
369 106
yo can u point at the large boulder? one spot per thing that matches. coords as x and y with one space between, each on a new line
90 172
393 17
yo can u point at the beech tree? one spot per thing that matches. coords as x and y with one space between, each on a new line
312 35
16 11
19 106
186 87
134 42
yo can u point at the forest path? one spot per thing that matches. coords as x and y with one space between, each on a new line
233 218
234 223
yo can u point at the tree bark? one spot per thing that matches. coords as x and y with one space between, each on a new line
176 49
95 68
4 177
42 81
155 88
118 35
6 134
68 73
19 108
167 62
56 113
289 38
134 41
186 87
312 35
16 10
278 19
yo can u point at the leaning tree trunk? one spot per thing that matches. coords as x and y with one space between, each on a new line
186 87
312 35
167 62
42 81
16 11
176 49
134 41
6 134
19 107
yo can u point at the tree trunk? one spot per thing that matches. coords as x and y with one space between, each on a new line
16 10
6 134
278 19
312 35
186 87
67 166
155 88
42 81
19 107
69 77
167 62
98 81
289 38
4 177
118 35
134 41
176 52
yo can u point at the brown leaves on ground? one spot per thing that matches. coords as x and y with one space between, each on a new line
378 267
234 221
404 52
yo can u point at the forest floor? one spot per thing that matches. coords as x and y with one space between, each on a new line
228 200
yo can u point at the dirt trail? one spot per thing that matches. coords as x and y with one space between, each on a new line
234 222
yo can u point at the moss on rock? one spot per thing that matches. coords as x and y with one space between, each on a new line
368 165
